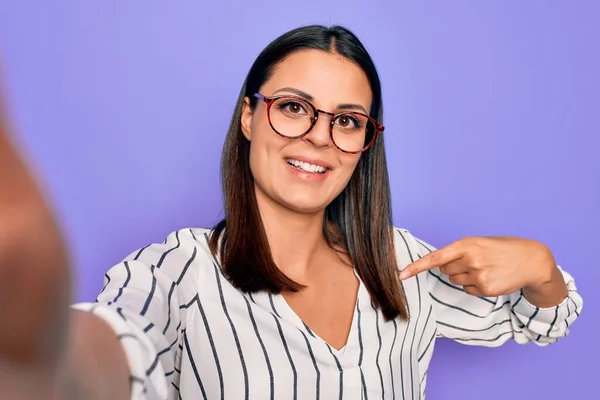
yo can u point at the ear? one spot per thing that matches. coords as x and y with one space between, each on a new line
246 119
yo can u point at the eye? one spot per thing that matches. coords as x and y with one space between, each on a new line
348 121
293 107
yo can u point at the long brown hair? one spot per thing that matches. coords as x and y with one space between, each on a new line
361 214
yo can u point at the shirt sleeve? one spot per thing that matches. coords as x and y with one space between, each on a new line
145 300
491 321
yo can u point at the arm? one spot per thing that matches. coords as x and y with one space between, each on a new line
34 276
94 365
121 346
542 317
550 291
58 354
147 300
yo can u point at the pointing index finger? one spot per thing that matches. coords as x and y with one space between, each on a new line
432 260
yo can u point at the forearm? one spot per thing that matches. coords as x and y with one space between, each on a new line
46 350
94 366
34 279
26 383
73 352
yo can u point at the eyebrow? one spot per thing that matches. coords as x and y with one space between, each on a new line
306 96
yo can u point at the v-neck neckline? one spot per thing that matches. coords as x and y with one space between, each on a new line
286 312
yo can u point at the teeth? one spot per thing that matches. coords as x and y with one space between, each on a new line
306 166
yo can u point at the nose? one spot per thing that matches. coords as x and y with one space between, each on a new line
319 135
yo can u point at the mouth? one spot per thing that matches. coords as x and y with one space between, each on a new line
306 166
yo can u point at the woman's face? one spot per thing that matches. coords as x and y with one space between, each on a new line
289 172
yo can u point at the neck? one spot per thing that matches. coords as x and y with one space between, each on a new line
295 239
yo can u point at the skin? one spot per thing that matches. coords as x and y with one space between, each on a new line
492 266
59 354
73 355
292 208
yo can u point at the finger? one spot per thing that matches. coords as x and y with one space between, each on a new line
461 279
454 268
432 260
473 290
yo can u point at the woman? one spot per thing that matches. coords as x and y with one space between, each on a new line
305 290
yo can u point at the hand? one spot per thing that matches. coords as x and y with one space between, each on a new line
34 279
491 266
46 350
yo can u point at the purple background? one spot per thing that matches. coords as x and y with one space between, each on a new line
491 128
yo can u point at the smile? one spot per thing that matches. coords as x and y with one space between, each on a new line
306 167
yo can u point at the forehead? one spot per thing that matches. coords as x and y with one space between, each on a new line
329 78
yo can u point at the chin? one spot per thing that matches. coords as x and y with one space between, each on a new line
305 206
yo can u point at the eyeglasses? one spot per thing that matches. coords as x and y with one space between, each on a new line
293 117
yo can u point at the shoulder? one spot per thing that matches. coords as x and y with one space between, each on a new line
183 246
404 241
408 247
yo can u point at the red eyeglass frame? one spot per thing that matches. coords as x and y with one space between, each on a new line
270 100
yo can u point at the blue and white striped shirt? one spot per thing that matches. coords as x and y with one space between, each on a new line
189 334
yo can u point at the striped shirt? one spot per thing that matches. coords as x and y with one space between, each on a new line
189 334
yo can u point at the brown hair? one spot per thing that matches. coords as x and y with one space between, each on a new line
361 214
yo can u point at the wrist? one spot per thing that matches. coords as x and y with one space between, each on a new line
548 293
545 269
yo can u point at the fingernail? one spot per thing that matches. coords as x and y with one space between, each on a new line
404 274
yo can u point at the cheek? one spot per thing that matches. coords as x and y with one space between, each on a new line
349 162
257 156
348 166
264 148
263 137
